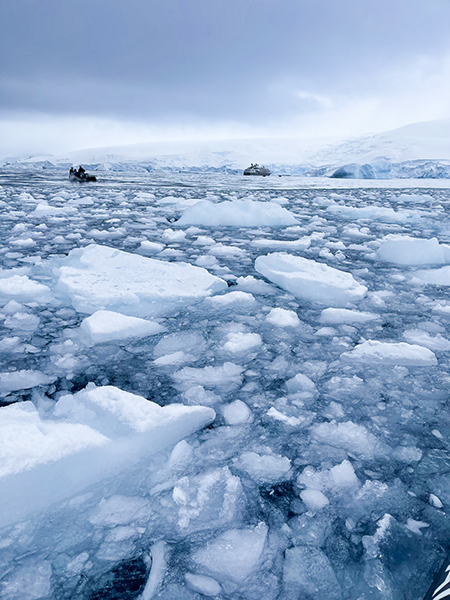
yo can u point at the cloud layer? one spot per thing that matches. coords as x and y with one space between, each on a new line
254 67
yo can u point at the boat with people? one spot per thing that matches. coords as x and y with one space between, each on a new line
255 169
79 174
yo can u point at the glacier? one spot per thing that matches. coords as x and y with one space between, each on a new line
214 387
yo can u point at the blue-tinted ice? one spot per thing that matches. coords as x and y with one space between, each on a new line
326 471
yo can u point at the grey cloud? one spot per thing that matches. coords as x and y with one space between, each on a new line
234 59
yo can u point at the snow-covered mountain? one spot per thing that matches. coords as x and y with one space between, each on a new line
417 150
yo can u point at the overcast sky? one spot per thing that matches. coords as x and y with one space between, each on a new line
110 72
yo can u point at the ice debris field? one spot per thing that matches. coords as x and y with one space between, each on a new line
218 388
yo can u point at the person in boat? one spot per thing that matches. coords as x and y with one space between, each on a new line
81 172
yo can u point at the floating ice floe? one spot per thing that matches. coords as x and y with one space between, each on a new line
377 213
103 278
23 289
228 376
237 413
12 381
265 468
340 316
438 343
239 342
391 353
93 434
310 280
353 438
207 586
239 213
215 494
43 209
232 299
307 573
280 317
147 247
234 555
301 244
432 276
406 250
107 326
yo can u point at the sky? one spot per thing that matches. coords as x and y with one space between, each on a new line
112 72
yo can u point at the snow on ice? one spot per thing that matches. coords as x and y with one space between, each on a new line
309 279
217 386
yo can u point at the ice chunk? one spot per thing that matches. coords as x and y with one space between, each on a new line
349 436
180 455
377 213
301 383
231 299
256 286
338 316
43 209
99 278
238 213
22 380
237 412
432 276
27 440
309 279
189 343
158 570
23 289
283 318
423 338
226 250
28 582
238 342
434 501
23 321
215 495
116 412
147 247
120 510
170 235
207 586
226 377
175 358
264 468
234 555
106 326
307 573
406 250
198 395
290 421
301 244
335 480
416 526
314 499
391 353
104 431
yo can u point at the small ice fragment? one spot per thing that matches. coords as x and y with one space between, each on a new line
236 413
434 501
281 317
106 326
416 526
314 499
207 586
265 468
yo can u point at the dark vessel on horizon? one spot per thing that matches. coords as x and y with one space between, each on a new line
255 169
